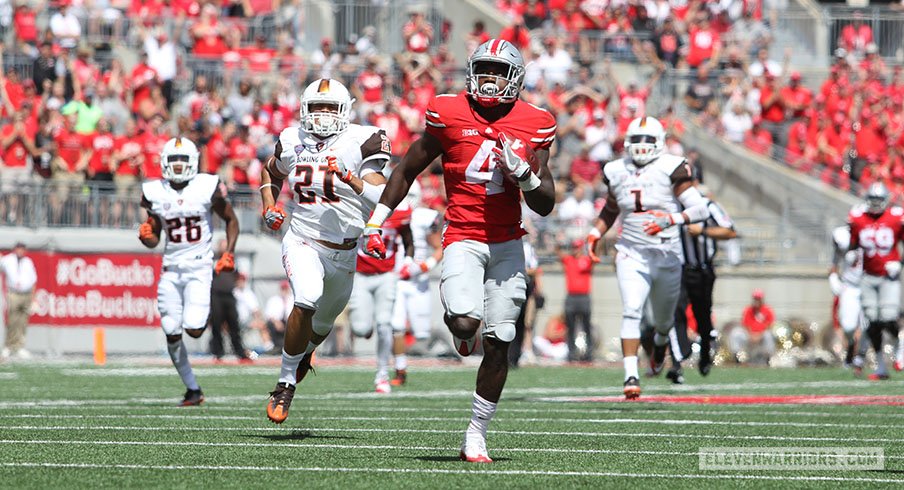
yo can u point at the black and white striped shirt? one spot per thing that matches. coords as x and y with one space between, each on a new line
699 251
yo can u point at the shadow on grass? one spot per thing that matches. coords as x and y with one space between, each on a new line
297 435
447 459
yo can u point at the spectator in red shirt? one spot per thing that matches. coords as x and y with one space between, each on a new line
704 44
578 278
856 35
100 147
260 57
68 167
417 32
241 155
772 107
586 171
754 339
153 138
25 25
795 97
516 33
477 36
386 116
17 143
127 161
142 80
758 139
368 87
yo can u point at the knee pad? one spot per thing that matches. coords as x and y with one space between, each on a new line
322 328
504 332
663 329
888 313
630 327
171 325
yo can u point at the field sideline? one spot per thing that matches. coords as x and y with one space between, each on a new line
78 426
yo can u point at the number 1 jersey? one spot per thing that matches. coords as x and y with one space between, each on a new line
186 218
483 205
328 209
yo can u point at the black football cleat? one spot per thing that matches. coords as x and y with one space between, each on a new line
706 362
192 398
632 388
675 375
657 361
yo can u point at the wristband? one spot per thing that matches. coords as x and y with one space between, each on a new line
677 218
595 232
530 183
381 213
267 185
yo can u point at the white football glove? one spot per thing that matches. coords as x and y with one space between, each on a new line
835 284
893 269
507 157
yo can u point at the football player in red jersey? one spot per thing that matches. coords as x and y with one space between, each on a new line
488 139
374 293
879 229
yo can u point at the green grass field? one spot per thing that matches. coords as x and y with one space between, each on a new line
77 426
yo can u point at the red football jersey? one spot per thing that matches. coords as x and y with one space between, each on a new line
372 265
483 205
878 236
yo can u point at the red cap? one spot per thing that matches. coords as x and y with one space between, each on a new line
795 75
577 243
757 293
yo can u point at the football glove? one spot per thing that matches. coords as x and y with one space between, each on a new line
893 269
374 245
146 230
335 166
506 158
835 284
226 263
274 217
593 237
660 222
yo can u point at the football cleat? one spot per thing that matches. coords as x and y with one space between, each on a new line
632 388
706 362
899 366
401 376
474 450
675 375
383 387
877 377
657 361
280 399
192 398
464 347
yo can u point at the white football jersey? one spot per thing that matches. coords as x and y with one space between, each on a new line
186 218
851 270
328 209
424 222
640 189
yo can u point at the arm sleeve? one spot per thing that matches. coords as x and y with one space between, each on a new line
719 216
372 167
695 205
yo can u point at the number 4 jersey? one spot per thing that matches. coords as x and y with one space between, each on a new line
328 209
186 218
878 236
483 206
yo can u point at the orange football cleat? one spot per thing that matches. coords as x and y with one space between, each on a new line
401 376
280 399
632 388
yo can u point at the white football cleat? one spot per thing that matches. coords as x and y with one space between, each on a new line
383 387
474 449
464 347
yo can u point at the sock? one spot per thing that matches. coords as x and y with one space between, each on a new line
384 351
482 412
630 363
401 362
179 356
289 366
310 348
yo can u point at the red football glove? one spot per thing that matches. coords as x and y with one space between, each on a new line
659 222
593 237
274 217
146 230
226 263
335 166
374 246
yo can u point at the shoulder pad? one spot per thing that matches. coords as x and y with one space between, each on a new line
841 236
668 163
857 211
896 211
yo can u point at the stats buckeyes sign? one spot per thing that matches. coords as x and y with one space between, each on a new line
91 290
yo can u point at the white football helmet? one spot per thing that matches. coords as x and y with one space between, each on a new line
645 140
179 160
500 52
326 91
877 198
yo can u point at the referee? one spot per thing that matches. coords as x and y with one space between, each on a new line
698 243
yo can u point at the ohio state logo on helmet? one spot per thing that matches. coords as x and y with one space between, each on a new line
495 73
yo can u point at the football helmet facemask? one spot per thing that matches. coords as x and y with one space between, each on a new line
326 92
500 66
179 160
877 198
645 140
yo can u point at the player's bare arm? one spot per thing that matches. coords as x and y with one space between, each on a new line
607 217
224 210
271 185
407 240
149 231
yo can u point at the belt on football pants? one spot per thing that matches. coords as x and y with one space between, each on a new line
347 244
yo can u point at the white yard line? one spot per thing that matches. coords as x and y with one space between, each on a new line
477 470
446 431
9 375
546 408
503 418
358 447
